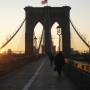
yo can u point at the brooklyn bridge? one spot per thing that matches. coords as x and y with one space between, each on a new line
34 71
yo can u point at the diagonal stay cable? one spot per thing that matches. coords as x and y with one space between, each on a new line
40 41
13 35
79 35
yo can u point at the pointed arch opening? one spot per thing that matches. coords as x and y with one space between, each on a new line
37 35
56 39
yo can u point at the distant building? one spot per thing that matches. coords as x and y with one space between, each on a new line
9 51
74 51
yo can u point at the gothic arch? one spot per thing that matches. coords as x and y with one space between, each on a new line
55 37
47 16
38 28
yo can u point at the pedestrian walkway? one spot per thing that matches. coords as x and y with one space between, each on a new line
46 78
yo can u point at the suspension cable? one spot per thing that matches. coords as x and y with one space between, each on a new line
13 35
80 35
40 41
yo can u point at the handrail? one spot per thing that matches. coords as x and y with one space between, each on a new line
83 66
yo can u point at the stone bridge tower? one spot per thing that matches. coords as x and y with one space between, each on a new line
47 16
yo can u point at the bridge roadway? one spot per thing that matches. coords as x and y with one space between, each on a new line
36 76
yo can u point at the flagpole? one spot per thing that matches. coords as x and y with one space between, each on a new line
47 3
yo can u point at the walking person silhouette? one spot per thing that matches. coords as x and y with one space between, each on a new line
51 58
59 62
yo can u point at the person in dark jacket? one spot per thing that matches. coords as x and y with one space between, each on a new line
59 62
51 58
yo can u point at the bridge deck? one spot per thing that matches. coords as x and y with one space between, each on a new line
37 76
47 79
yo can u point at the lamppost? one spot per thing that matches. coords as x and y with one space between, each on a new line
59 33
35 41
